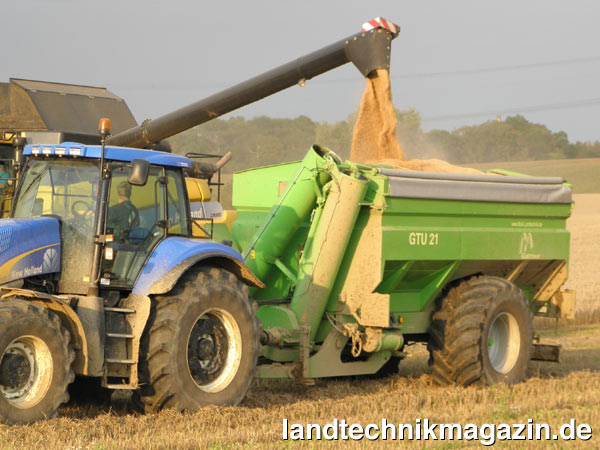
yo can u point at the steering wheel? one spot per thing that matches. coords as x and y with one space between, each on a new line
81 217
77 212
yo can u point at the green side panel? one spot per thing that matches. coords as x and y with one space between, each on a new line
259 189
272 316
290 210
253 209
452 230
418 321
419 288
281 354
481 237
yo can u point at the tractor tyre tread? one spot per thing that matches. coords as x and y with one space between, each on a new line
20 317
163 384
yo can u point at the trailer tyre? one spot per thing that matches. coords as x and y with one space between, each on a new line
35 362
481 333
200 346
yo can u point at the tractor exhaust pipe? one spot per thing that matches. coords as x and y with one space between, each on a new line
368 50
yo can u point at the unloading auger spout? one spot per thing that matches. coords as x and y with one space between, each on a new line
368 50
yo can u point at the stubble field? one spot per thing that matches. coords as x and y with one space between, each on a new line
553 393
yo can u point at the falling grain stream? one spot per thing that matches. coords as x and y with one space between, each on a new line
374 137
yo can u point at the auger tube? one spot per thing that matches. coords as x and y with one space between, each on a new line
321 259
368 51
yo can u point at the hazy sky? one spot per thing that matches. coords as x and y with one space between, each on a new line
456 62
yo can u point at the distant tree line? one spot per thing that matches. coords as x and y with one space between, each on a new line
263 140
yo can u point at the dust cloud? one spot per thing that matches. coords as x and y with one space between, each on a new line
374 137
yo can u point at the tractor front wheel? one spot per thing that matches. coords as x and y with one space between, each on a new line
201 344
35 362
481 333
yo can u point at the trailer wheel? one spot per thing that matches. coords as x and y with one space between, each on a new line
481 333
200 346
35 362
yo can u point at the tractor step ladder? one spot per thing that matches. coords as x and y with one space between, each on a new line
120 340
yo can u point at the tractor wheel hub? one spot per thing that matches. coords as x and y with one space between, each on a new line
15 370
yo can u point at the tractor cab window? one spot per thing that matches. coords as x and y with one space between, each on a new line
176 204
136 220
67 190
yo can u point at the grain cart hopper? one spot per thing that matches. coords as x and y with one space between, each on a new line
359 261
100 275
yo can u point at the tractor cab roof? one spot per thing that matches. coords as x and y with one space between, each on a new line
75 150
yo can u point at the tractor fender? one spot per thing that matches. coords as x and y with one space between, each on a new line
173 256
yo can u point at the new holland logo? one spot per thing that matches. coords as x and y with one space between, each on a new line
51 261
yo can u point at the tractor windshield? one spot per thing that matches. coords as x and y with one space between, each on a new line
67 190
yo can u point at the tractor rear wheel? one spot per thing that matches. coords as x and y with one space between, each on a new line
481 333
35 362
200 346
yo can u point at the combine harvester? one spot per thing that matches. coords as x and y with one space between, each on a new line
39 112
332 270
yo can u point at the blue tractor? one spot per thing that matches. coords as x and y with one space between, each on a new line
98 250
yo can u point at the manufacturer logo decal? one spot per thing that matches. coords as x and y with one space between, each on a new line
527 246
51 261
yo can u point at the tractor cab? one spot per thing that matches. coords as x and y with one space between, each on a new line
129 217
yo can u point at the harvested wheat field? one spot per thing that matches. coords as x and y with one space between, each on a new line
553 394
584 226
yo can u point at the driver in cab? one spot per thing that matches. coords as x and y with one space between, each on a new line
123 216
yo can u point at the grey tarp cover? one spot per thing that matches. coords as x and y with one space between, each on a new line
488 188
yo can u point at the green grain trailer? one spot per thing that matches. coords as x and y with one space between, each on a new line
360 260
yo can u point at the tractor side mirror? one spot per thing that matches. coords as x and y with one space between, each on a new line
138 173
